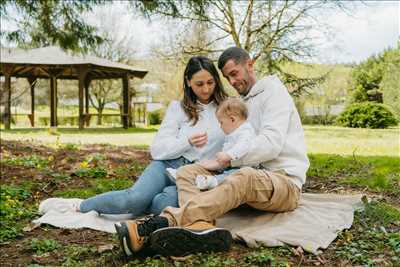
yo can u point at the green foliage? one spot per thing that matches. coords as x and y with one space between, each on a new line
382 214
367 77
47 22
94 172
377 76
367 115
32 161
40 246
373 237
69 147
12 210
77 252
390 84
97 186
263 257
377 173
155 117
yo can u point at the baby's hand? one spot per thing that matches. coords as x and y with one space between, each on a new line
223 159
212 165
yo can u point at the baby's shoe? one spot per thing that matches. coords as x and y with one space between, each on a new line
212 182
60 204
206 182
201 182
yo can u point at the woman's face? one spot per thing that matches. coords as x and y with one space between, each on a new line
203 85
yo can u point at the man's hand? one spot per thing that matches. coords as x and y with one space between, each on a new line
223 159
211 165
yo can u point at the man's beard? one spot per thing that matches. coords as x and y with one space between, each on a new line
246 84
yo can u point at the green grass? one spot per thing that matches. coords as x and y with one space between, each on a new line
320 139
349 141
381 174
374 233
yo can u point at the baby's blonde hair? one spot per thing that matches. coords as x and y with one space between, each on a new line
233 106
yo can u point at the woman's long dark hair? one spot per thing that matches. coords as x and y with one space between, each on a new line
189 102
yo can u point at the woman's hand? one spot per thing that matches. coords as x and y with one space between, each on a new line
198 140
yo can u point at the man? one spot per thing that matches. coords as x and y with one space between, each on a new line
279 149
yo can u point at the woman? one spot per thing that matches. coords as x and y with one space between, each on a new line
189 132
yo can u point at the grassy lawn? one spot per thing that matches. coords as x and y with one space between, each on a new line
69 165
320 139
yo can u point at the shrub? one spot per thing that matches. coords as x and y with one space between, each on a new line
367 115
41 246
155 117
12 210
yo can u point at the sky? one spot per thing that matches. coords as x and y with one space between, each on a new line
367 30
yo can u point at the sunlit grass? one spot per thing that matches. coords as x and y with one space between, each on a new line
320 139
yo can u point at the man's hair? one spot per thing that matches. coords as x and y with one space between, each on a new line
233 106
239 55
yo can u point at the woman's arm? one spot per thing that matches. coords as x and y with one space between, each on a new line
167 144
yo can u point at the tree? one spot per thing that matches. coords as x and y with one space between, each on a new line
50 22
272 31
390 84
367 77
117 47
377 76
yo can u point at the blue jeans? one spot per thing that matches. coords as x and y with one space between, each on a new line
152 192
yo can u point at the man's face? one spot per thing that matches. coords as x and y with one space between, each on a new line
238 75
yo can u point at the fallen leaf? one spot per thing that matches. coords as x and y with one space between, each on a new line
103 248
30 227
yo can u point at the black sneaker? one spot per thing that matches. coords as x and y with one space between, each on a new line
134 234
198 237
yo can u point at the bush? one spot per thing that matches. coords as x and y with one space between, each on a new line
155 117
367 115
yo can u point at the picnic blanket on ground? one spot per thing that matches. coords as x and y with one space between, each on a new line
313 225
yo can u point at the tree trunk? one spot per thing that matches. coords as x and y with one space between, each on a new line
100 116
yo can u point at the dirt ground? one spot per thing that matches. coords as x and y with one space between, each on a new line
104 247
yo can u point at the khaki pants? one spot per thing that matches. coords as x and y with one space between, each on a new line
257 188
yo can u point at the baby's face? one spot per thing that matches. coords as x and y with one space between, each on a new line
227 123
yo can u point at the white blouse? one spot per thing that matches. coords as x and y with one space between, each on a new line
171 140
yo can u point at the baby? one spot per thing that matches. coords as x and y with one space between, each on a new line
232 115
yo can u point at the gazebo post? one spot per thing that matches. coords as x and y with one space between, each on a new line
87 84
82 73
7 70
32 84
125 101
131 121
53 101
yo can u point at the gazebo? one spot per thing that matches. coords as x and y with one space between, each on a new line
53 63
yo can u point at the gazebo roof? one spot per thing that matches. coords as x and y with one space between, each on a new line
41 62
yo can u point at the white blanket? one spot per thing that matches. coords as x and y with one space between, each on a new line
313 225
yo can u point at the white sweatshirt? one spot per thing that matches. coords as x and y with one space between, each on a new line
280 144
171 140
237 142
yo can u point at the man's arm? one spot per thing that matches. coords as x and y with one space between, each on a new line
276 111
